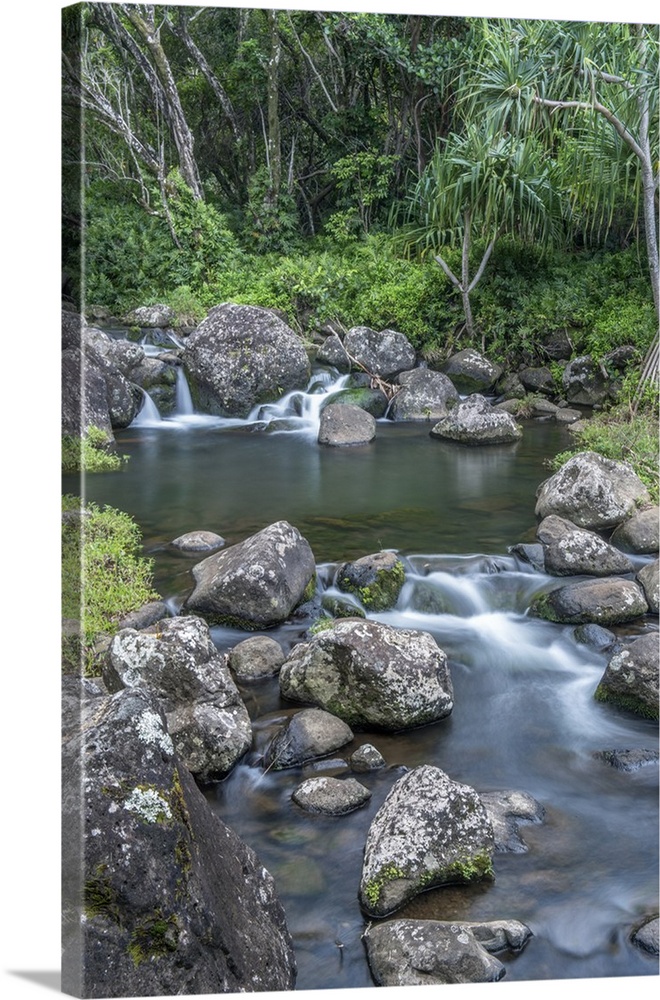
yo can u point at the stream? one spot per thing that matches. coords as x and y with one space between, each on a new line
524 716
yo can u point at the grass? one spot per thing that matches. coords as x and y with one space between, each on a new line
89 453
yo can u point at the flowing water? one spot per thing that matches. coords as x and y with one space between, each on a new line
524 716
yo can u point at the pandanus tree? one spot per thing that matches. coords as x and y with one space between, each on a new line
477 186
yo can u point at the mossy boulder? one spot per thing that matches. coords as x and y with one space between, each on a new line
374 401
430 831
375 579
631 677
610 601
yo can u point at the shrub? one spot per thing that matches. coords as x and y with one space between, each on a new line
89 453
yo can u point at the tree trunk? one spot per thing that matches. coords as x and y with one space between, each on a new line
274 139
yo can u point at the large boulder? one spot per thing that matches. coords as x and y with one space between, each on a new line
570 551
123 354
371 674
384 353
159 896
84 403
256 583
344 424
157 315
639 533
610 601
332 352
424 395
376 579
307 735
592 492
435 952
430 831
585 382
177 661
631 677
475 422
240 356
470 371
649 580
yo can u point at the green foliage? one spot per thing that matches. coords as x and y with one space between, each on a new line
104 575
89 453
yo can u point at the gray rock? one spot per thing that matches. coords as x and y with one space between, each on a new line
341 607
102 399
384 353
424 395
474 421
570 551
585 381
331 796
470 371
565 415
198 541
256 583
147 615
72 330
646 936
376 579
151 316
370 674
331 352
177 661
538 380
627 760
159 896
609 601
123 354
543 408
621 357
429 831
530 552
256 657
366 758
240 356
374 401
509 387
631 677
650 583
557 345
343 424
308 734
430 952
595 636
506 811
592 491
640 533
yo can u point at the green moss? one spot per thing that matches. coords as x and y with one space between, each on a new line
541 607
99 897
375 886
154 937
470 869
383 592
627 702
89 453
321 625
104 575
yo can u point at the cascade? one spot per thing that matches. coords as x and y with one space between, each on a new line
148 415
183 406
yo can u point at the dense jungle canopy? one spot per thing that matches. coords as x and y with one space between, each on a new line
450 177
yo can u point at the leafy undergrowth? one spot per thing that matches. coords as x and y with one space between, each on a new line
89 453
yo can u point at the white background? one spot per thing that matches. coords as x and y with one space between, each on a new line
29 459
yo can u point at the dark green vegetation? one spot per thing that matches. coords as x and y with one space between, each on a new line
89 453
100 550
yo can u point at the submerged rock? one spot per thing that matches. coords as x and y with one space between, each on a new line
631 677
384 353
240 356
177 661
475 422
506 811
331 796
159 896
374 401
370 674
343 424
470 371
376 579
610 601
592 492
308 734
366 758
429 831
429 952
570 551
627 760
256 583
595 636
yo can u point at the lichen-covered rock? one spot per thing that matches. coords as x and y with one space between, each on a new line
376 579
470 371
240 356
331 796
255 583
370 674
585 381
435 952
159 896
374 401
308 734
424 395
475 422
384 353
631 677
125 355
571 551
506 811
151 316
609 601
103 398
649 580
592 492
366 758
332 352
256 657
198 541
429 831
344 424
640 533
176 660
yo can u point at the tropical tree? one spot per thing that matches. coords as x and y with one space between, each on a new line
481 184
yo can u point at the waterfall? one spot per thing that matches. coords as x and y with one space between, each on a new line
148 415
183 406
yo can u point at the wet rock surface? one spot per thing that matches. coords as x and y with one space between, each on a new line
331 796
609 601
308 734
631 677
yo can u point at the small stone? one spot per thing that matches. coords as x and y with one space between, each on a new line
366 758
198 541
331 796
256 657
